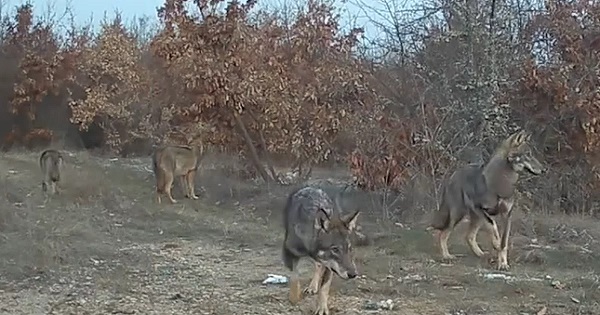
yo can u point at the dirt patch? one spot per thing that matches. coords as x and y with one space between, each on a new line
104 247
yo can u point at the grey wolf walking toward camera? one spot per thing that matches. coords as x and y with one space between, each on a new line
51 162
317 229
482 192
176 161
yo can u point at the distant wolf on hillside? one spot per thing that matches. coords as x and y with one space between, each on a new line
316 228
485 191
176 160
51 162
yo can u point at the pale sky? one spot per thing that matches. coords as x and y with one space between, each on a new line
83 11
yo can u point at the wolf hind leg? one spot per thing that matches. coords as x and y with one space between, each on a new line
54 188
168 184
189 179
441 223
160 184
454 217
443 237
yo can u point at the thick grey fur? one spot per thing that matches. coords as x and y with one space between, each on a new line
301 209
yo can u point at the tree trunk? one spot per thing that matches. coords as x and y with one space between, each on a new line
252 150
263 145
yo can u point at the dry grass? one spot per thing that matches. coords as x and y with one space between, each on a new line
104 247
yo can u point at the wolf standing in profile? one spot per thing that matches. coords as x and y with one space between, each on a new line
176 160
315 228
51 162
483 191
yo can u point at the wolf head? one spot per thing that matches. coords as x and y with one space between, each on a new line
519 155
334 249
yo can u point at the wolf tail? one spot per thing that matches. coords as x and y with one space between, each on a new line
441 217
288 207
157 172
155 161
289 259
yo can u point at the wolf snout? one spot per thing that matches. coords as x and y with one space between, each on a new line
346 274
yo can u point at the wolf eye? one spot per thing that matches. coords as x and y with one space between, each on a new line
335 250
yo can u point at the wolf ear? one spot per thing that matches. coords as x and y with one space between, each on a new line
322 220
351 219
520 138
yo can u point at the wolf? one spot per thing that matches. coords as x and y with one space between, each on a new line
482 192
51 162
317 229
176 160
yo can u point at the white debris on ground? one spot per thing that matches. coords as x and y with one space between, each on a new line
275 279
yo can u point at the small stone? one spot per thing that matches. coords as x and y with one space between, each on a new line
370 305
557 284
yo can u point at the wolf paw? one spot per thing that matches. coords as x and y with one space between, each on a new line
310 290
503 267
448 258
480 253
321 310
195 197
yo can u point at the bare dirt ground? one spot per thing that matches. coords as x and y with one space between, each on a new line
104 247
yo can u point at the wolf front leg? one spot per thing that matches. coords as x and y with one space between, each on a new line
323 298
471 236
313 287
184 185
490 226
503 252
506 215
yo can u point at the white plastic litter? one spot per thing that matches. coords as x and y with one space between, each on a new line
275 279
491 276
